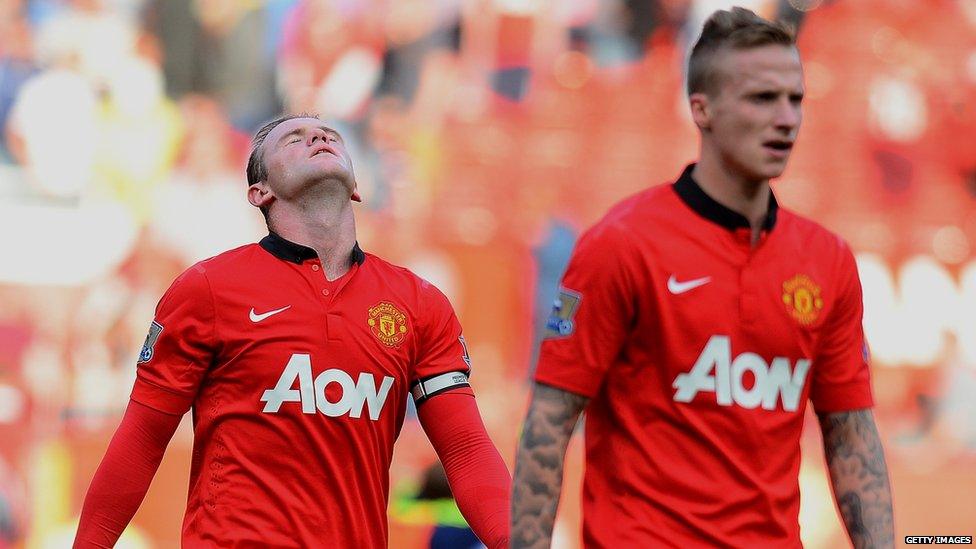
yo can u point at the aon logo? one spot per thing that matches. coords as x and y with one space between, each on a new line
355 394
772 381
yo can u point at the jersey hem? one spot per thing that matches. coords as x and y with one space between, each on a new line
159 398
844 398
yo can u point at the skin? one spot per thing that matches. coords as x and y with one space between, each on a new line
308 190
538 480
859 477
757 101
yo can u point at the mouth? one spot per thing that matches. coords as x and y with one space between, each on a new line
324 149
779 147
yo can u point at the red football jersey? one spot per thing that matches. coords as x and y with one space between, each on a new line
298 387
698 352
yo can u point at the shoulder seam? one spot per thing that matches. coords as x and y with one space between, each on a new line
213 308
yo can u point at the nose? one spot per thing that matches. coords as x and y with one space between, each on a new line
788 115
316 134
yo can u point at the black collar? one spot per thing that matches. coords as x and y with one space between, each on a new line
696 199
296 253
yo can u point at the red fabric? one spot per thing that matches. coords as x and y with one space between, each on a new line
699 353
841 379
479 480
299 388
123 477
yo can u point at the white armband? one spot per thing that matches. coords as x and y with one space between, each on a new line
426 388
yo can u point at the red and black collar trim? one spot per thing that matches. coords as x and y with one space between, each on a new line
296 253
692 194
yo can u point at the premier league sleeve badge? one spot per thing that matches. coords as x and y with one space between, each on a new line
560 323
146 354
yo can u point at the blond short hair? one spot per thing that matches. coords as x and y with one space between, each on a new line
735 29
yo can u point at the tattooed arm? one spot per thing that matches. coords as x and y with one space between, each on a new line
859 476
539 464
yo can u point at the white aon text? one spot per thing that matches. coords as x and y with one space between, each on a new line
311 395
773 381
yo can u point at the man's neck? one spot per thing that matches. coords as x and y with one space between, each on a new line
330 230
747 197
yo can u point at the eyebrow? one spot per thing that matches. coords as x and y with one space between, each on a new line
758 90
299 130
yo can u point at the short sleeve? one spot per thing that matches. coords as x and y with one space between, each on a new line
443 363
180 345
841 376
591 315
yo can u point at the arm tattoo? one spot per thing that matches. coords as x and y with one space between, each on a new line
859 477
539 464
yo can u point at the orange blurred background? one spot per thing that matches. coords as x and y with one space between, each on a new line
486 134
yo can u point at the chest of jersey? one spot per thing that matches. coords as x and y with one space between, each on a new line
732 324
302 345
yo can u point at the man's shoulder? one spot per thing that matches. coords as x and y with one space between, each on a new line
227 263
806 227
402 278
653 200
388 268
810 234
394 274
636 214
230 259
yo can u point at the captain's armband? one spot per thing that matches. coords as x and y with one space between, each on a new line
435 385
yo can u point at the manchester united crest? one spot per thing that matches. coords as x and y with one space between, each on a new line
387 323
801 295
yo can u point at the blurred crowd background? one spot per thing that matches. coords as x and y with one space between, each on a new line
486 135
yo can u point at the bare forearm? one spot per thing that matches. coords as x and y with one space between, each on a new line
539 464
859 477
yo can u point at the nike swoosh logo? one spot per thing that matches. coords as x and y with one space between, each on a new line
676 287
259 317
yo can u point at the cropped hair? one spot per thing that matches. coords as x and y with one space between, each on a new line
257 170
735 29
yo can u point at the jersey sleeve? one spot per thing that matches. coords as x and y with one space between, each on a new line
442 363
841 376
180 346
591 316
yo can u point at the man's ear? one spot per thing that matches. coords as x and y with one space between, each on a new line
259 194
355 197
701 111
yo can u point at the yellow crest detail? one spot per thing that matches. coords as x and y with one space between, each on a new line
801 295
387 323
